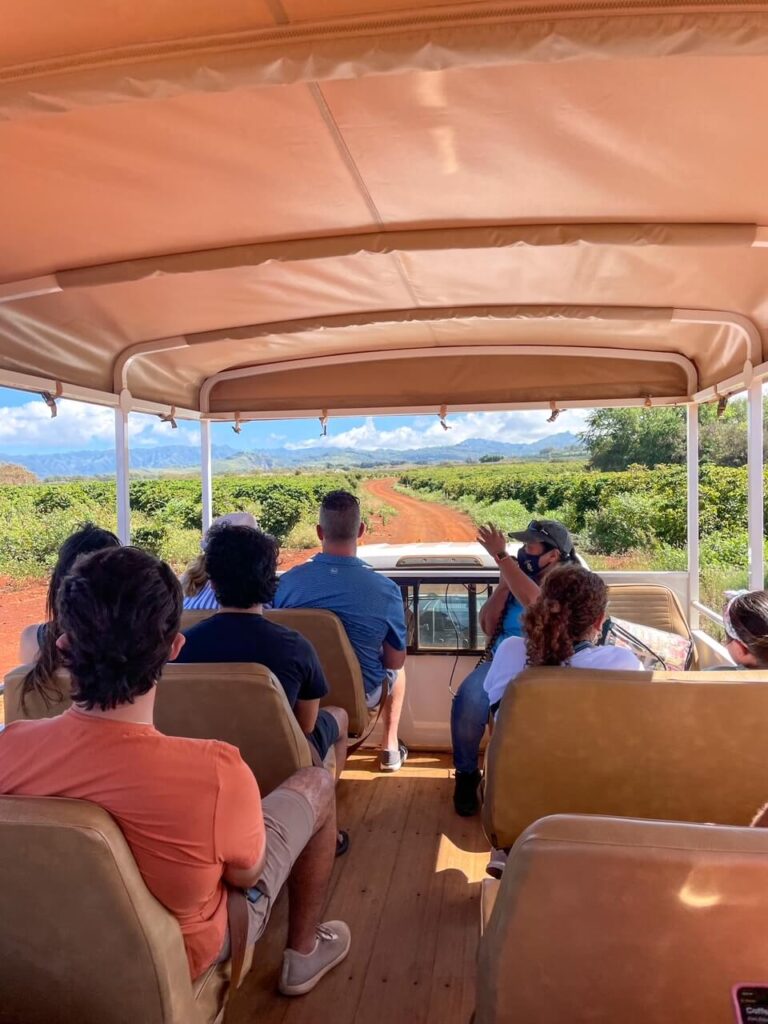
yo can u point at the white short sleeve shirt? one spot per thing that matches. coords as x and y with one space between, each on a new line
511 656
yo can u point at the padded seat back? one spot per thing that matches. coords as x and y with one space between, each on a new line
685 746
191 618
649 605
82 938
36 706
642 922
325 632
337 656
244 705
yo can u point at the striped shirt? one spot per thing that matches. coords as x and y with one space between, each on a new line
204 601
370 606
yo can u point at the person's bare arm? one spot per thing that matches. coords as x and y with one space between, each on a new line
391 657
244 878
493 609
28 645
306 714
520 585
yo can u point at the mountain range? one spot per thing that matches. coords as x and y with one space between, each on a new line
176 458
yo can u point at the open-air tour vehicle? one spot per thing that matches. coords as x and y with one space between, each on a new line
287 208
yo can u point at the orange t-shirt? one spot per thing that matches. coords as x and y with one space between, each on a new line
186 807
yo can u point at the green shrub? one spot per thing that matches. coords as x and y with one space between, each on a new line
151 538
625 522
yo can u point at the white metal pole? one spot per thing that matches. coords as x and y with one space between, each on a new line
693 512
206 472
755 484
123 480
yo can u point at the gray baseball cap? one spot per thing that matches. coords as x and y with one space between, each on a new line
546 531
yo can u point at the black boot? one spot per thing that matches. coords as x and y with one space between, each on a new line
465 798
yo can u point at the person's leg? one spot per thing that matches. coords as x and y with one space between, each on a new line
393 752
308 881
340 746
300 825
469 717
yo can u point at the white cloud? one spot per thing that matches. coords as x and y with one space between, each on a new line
77 425
508 427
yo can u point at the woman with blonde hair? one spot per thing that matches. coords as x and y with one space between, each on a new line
197 589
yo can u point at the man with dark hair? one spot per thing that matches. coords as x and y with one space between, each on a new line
190 809
370 607
241 564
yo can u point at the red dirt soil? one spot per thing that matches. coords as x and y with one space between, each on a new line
23 602
416 521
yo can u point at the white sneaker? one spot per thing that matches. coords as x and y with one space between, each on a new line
302 971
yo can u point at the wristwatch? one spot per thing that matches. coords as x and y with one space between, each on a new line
502 554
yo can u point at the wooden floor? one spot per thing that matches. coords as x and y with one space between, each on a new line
409 888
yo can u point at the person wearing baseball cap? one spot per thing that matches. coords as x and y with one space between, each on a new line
545 543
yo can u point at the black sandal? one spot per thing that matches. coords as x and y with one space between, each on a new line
342 842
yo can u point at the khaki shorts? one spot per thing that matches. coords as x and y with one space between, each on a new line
289 822
373 699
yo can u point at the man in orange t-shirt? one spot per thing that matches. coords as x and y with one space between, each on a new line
190 809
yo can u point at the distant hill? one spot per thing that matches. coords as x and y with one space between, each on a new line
15 474
174 458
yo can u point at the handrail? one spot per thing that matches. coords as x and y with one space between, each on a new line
708 612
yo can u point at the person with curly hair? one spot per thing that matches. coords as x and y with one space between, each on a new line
545 544
190 809
562 627
38 642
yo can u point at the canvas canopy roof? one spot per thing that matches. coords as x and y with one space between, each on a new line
288 207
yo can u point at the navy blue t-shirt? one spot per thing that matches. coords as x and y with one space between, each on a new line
236 636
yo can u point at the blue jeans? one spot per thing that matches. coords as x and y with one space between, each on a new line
469 716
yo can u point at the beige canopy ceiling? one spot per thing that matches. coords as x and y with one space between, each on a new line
288 207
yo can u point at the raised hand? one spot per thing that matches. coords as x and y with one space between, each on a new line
492 539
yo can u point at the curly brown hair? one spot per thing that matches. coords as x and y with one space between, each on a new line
572 600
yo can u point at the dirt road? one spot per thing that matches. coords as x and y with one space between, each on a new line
416 521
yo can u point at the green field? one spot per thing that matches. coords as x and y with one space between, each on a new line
166 515
634 519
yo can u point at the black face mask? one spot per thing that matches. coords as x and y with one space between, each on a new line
530 564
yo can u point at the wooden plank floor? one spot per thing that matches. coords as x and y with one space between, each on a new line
409 888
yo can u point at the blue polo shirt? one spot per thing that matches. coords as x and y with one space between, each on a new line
370 606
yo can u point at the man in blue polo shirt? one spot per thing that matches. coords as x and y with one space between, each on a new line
370 607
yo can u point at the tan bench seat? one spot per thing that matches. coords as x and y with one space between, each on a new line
638 922
82 938
650 604
686 746
325 632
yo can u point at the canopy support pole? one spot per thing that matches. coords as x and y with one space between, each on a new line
122 463
206 472
755 484
693 513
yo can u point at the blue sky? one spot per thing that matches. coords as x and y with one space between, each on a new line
26 426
